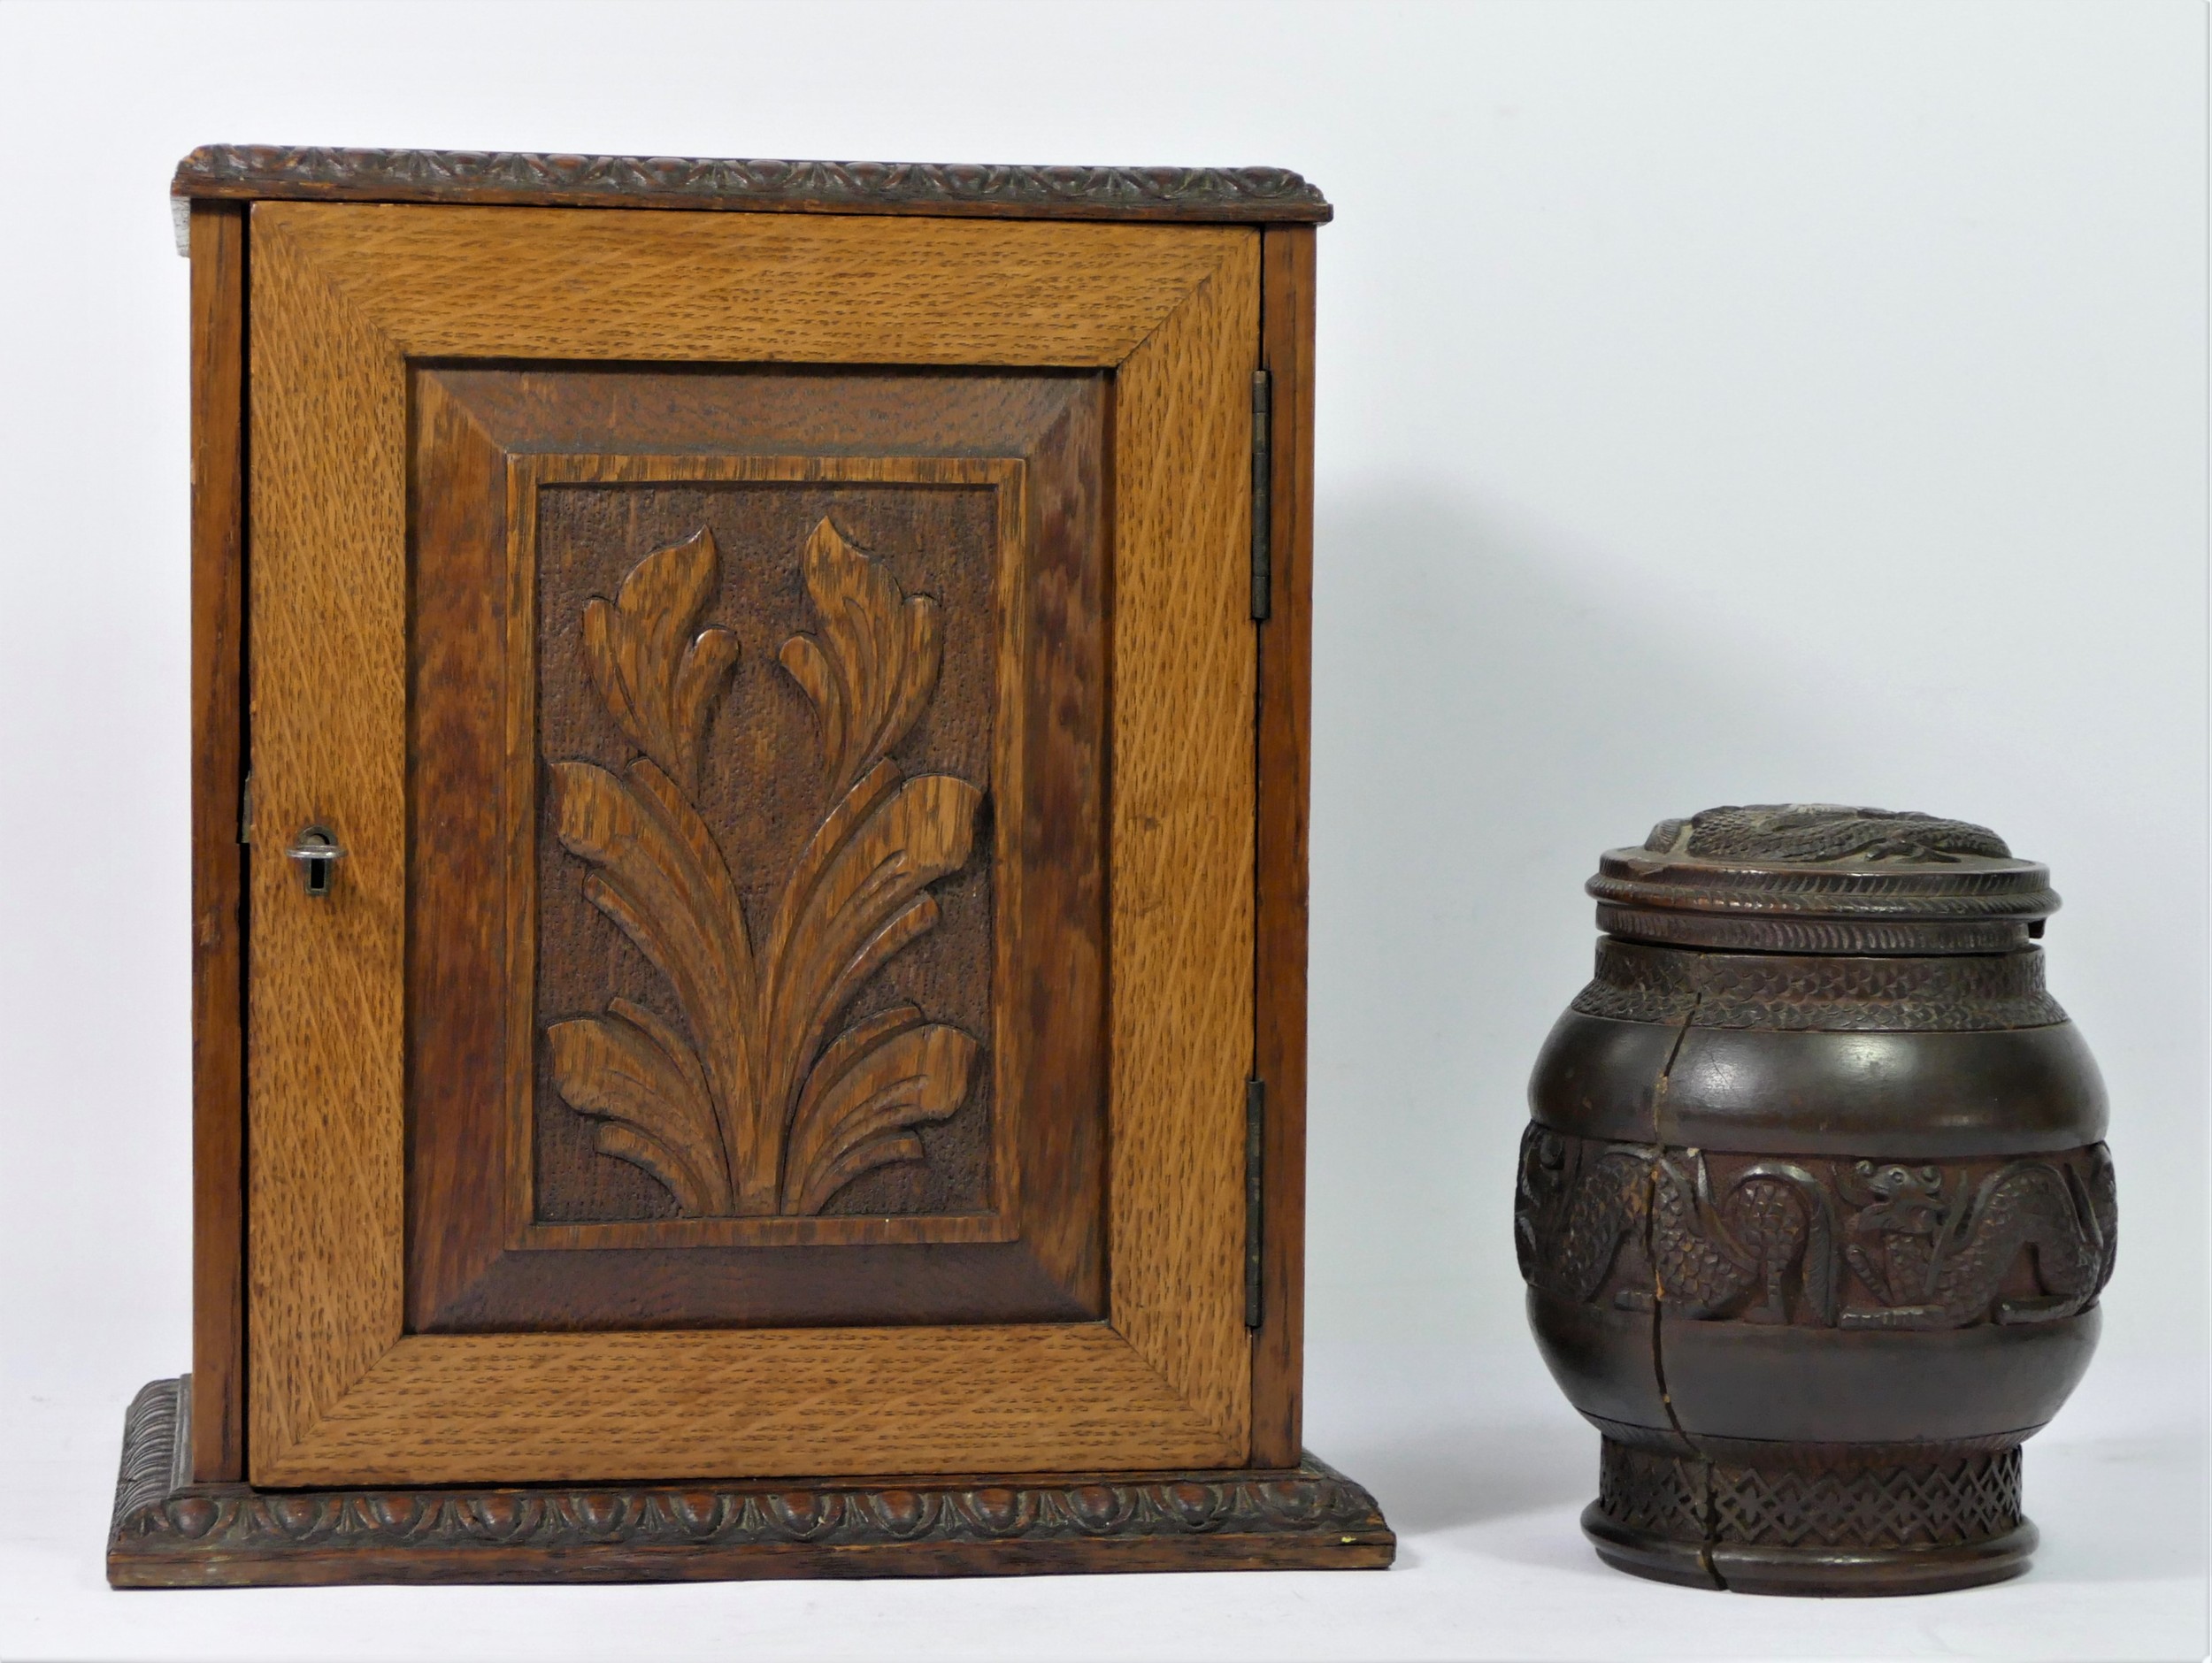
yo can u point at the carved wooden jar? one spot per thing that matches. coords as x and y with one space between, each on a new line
748 874
1814 1207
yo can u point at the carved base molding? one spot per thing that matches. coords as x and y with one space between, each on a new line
1948 1518
167 1533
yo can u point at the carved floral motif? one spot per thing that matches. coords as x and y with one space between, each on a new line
759 1107
1838 1244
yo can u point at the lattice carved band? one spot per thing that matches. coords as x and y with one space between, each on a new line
1943 1502
1954 993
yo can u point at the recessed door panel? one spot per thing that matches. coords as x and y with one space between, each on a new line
756 892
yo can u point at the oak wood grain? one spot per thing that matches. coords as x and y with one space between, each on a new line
461 1038
328 657
167 1535
341 296
218 237
1053 945
529 283
773 821
1184 666
763 1402
1285 749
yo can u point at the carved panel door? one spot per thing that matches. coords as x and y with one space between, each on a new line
783 687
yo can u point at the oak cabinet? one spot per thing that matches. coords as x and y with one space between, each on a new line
749 870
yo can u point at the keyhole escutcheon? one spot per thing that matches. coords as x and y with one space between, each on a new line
318 851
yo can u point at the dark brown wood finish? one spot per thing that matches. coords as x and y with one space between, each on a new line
1815 1237
484 437
1192 195
166 1535
797 566
218 1439
456 841
1285 749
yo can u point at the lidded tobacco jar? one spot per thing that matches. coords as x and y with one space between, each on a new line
1814 1206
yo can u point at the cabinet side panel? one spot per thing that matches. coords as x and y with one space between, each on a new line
218 860
1181 906
1285 751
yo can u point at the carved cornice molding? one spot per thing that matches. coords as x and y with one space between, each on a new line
1199 195
167 1533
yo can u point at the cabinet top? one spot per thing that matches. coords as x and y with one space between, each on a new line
1250 195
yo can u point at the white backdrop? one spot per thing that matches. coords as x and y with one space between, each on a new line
1720 402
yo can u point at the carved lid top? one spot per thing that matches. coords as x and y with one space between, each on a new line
1248 195
1823 877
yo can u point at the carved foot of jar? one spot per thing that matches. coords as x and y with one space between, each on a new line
1840 1519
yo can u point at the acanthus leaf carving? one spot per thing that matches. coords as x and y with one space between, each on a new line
862 896
658 686
653 1105
875 664
760 1110
874 1082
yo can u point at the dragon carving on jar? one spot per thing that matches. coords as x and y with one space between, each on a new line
1841 1243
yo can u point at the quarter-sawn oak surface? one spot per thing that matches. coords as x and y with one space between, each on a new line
342 298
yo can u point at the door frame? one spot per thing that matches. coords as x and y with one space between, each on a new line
342 298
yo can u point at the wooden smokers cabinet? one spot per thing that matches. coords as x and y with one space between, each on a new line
749 867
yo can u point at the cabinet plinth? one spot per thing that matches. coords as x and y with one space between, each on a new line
167 1533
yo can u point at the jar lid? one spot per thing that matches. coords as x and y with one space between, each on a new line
1823 877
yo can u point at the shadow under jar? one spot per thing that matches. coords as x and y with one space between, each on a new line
1814 1206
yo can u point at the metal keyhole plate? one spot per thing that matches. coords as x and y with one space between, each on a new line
318 851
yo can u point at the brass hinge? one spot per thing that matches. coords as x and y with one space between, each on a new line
1254 1170
245 810
1262 490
